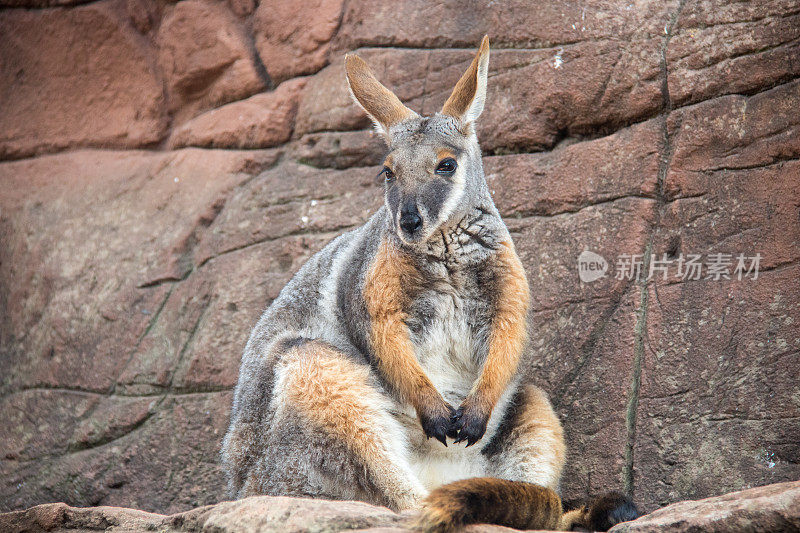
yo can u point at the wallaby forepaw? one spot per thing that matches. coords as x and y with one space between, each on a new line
469 423
436 423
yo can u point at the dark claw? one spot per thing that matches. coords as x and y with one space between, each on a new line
469 436
437 429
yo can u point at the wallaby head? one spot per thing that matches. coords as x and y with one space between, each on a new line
433 172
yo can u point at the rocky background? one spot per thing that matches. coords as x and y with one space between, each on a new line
168 166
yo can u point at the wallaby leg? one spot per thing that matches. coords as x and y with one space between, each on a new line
525 458
330 434
531 447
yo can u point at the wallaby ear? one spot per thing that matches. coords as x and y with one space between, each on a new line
466 102
381 104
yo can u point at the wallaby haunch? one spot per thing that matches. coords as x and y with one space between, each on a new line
409 327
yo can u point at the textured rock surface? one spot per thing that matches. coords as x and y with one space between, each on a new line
132 268
261 514
76 77
293 38
263 120
205 57
770 508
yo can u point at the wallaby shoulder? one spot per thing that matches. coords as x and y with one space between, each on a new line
309 304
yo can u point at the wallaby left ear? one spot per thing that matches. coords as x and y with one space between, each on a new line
466 102
381 104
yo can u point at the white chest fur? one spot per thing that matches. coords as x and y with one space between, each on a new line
446 348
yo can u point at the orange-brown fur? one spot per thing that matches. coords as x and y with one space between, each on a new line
516 504
465 89
312 417
572 518
538 438
384 106
538 418
329 390
508 332
387 288
489 500
443 153
333 394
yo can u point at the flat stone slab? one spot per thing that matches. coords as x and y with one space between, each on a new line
257 514
768 508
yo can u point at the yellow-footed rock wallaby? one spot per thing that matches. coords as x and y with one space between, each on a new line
407 328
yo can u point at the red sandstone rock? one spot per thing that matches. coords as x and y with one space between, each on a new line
236 301
769 508
60 254
730 48
205 58
316 201
261 121
79 77
722 416
242 7
262 513
340 149
624 164
728 346
33 4
514 24
60 517
293 38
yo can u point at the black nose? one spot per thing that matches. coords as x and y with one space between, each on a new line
410 222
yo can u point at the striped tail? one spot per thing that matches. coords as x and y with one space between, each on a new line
517 505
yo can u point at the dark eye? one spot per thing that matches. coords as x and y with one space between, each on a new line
446 166
388 174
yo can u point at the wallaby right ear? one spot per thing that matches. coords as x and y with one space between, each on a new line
466 101
381 104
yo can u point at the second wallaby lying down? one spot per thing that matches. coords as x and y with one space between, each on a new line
409 327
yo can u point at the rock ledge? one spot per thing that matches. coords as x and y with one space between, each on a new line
769 508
